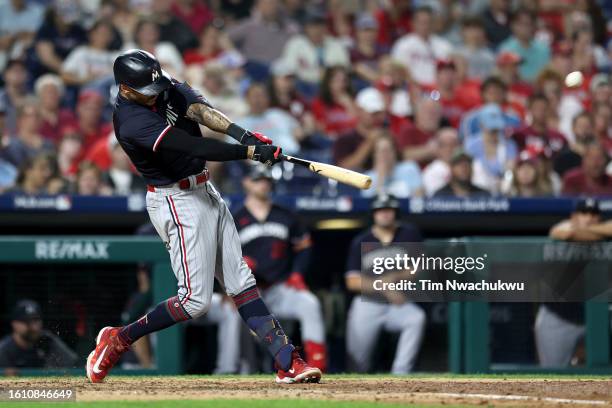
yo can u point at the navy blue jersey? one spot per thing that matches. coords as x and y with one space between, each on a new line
404 233
275 247
140 129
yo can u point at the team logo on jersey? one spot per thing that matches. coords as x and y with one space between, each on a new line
171 115
154 75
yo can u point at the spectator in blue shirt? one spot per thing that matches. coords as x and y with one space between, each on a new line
534 53
492 151
389 175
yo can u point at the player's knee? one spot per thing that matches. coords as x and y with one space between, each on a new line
197 307
308 304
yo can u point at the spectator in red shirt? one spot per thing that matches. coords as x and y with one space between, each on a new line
538 135
90 124
416 140
394 20
572 154
69 152
334 108
353 150
50 90
195 13
590 178
212 43
518 90
455 97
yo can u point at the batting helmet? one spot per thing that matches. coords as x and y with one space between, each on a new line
141 71
385 201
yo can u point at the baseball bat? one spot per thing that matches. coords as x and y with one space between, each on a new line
352 178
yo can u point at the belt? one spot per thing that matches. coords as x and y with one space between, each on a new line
186 183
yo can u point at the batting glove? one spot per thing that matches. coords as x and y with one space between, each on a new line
266 154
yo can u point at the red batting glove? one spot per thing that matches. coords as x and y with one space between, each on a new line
296 281
262 138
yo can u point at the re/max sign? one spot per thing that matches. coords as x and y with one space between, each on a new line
59 249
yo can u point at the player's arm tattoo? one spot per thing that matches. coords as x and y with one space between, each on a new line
209 117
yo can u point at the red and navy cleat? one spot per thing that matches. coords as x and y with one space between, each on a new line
106 354
299 372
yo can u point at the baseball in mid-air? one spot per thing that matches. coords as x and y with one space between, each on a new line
574 79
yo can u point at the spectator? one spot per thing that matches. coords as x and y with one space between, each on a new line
49 90
196 14
275 123
310 53
353 150
147 37
28 142
89 181
397 91
559 327
455 97
171 28
90 123
367 52
15 91
600 90
69 152
537 135
218 90
334 108
497 21
91 62
492 151
571 155
212 43
590 178
31 346
120 177
58 36
587 56
564 106
415 141
474 52
492 91
262 37
123 16
437 173
394 20
460 183
19 21
8 172
602 123
390 175
527 179
389 309
285 95
535 54
38 175
420 50
518 91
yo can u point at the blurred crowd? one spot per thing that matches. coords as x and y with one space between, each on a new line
429 97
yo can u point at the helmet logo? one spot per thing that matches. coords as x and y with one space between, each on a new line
154 75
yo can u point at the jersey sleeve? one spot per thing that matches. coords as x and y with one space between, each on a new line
145 129
190 95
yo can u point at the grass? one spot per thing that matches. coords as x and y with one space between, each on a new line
220 403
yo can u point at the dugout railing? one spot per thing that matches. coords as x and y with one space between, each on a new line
468 322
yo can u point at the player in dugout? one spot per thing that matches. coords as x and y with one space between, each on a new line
388 310
277 249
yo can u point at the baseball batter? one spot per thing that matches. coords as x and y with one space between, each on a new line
277 249
156 121
387 310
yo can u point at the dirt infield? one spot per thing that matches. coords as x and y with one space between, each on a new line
405 390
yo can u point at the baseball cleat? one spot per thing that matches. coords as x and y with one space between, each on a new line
106 354
299 372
